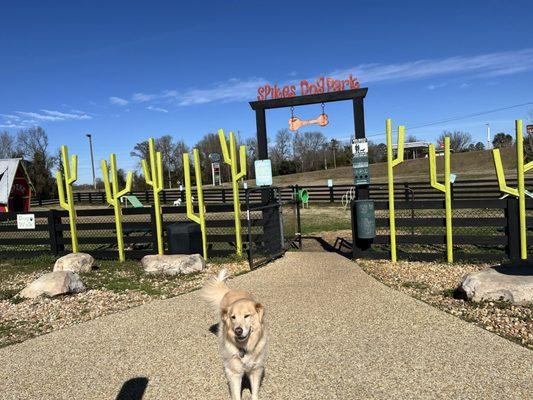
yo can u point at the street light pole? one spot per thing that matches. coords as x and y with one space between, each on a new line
92 158
488 137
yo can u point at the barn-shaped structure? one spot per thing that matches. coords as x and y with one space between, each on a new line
15 186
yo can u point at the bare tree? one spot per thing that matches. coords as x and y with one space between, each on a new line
7 145
459 141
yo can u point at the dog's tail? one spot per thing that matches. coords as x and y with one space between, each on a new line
215 289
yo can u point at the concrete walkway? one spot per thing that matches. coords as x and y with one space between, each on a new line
336 333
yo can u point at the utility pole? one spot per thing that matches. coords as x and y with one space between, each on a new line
92 158
334 147
488 137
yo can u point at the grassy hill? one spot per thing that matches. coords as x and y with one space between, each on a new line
471 165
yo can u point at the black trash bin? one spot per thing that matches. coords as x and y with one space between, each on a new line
184 238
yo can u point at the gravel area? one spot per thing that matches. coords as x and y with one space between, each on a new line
112 288
434 283
336 333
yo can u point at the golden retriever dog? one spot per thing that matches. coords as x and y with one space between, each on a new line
241 331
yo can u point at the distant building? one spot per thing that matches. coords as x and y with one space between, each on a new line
15 186
419 149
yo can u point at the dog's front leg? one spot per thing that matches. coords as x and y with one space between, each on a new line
235 383
255 381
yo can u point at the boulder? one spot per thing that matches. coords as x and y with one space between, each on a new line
54 284
173 264
75 262
503 283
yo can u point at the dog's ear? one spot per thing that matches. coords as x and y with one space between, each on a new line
224 314
260 311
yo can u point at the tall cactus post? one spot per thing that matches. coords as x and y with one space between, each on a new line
520 192
446 189
200 218
154 178
230 158
70 170
391 163
113 195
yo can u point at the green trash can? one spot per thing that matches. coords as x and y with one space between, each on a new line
366 219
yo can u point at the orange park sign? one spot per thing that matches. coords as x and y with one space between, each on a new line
321 85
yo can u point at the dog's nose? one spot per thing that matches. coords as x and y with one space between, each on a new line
238 331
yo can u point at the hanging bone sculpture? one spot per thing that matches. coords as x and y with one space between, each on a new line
296 123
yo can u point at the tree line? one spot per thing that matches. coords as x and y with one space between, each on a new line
289 153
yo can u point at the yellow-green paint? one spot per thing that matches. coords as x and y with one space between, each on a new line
520 192
113 195
71 175
200 218
154 178
391 163
446 189
230 158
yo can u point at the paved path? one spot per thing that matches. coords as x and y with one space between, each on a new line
336 334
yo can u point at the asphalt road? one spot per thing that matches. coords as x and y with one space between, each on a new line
336 333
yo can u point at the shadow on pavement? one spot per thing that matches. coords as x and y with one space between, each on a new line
133 389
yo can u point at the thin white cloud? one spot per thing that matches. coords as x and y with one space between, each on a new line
488 65
118 101
159 109
231 90
140 97
52 115
435 86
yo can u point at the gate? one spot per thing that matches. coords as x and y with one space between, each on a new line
273 225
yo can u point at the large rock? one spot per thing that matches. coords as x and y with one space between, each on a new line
54 284
512 283
75 262
174 264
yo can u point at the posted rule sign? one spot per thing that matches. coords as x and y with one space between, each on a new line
26 221
263 173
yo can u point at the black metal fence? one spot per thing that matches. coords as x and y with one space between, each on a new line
97 234
461 190
485 230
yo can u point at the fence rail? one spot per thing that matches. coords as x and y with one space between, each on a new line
467 189
97 235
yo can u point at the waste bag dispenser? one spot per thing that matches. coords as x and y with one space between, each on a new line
184 238
365 219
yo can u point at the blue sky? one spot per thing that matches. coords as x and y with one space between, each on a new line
127 70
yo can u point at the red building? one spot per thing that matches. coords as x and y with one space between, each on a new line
15 186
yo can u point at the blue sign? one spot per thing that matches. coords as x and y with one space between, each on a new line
263 173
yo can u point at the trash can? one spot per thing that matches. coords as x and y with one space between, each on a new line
184 238
366 219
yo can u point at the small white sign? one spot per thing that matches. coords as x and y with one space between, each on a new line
26 221
263 173
245 185
360 147
330 182
453 177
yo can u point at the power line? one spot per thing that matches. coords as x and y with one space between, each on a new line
457 118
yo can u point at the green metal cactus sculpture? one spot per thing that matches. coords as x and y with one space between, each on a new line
446 189
520 191
154 178
391 163
200 218
65 185
113 195
230 158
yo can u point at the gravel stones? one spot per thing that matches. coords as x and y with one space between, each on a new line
53 284
75 262
174 264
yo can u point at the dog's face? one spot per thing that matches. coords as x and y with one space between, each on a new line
242 318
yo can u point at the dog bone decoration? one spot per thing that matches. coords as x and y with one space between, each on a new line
296 123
